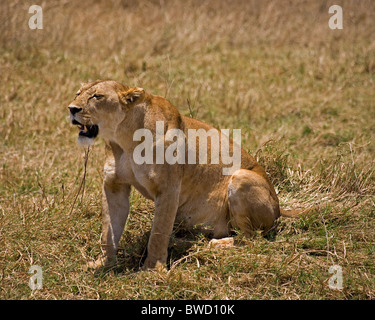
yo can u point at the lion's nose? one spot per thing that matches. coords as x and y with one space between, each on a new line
74 110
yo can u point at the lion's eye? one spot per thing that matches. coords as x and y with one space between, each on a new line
97 96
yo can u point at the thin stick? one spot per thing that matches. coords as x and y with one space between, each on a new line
84 173
325 230
82 182
190 111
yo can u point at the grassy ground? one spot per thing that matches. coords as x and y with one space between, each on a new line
302 94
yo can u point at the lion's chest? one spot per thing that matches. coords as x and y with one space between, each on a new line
128 171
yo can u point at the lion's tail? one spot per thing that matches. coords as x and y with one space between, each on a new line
295 213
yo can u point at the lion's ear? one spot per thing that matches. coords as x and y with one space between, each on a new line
132 95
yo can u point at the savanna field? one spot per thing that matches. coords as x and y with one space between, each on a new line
302 94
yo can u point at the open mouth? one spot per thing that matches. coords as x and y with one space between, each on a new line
88 131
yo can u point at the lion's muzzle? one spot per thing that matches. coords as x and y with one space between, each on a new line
85 131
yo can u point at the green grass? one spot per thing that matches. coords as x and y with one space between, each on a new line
302 95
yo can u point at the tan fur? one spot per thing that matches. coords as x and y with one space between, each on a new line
188 193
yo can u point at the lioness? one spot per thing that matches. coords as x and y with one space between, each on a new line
193 193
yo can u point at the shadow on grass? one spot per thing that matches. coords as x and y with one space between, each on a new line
133 252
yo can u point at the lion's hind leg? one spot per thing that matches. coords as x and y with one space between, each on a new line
252 202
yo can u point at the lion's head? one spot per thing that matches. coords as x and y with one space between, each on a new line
99 107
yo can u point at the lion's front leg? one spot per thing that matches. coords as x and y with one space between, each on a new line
166 205
115 210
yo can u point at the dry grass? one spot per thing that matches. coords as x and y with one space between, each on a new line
302 94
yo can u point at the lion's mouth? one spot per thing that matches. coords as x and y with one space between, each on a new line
88 131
